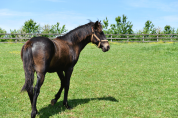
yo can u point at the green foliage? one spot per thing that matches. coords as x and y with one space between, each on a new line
173 31
1 36
31 26
14 32
2 31
122 26
47 29
105 23
177 31
167 29
57 29
149 28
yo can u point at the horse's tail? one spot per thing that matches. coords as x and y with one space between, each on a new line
28 65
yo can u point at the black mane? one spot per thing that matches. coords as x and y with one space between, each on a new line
78 33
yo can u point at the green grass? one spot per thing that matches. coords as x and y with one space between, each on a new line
130 80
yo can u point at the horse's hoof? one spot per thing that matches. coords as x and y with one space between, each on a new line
53 102
67 106
34 113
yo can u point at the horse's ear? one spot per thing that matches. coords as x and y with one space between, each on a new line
96 25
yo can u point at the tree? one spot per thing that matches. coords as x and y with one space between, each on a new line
31 26
158 30
173 31
1 36
2 31
167 29
14 31
57 29
124 26
53 29
46 29
177 31
105 23
149 28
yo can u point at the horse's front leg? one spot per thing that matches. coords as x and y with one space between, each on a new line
40 80
57 96
68 74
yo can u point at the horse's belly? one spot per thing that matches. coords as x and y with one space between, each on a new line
58 65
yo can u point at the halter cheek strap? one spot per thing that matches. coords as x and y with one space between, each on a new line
93 34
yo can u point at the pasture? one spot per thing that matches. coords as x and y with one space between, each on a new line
130 80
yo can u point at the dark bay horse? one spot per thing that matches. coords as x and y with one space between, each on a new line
42 55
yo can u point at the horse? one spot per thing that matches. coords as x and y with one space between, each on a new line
42 55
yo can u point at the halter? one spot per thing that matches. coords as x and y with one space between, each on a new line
93 34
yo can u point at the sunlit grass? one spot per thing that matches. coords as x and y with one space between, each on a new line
130 80
15 52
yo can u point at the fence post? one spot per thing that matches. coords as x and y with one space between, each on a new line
157 38
16 38
127 38
111 37
143 38
171 38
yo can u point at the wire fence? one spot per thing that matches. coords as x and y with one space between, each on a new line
16 37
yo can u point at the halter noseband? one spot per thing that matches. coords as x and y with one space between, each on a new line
93 34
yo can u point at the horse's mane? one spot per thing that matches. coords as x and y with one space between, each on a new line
79 33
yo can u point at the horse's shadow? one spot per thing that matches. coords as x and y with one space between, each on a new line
58 107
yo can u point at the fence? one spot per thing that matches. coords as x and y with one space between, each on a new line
16 37
142 37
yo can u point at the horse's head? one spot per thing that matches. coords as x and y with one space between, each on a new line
99 38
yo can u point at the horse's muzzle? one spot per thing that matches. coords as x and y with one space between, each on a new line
105 49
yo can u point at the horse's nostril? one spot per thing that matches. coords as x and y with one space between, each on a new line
108 47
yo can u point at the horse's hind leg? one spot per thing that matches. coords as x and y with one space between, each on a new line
57 96
30 94
40 80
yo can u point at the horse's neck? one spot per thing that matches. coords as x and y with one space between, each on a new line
84 42
80 45
77 39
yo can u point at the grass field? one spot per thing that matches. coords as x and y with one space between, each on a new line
130 80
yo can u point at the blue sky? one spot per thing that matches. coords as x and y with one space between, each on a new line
72 13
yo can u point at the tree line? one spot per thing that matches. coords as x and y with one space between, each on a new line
31 26
121 26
